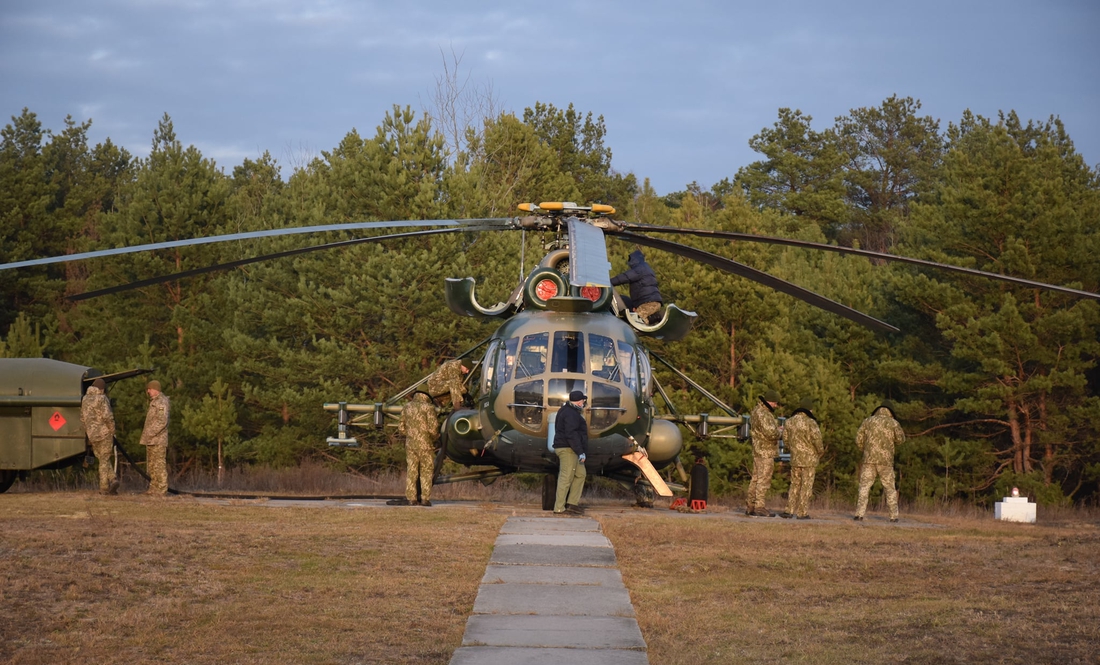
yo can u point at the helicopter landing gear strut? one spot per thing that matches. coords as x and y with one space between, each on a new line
644 494
549 491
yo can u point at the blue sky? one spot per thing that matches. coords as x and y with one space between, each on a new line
682 86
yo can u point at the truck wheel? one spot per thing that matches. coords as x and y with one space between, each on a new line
6 479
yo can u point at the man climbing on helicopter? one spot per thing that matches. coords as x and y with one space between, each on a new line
450 379
645 298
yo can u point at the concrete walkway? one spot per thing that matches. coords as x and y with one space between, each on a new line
552 594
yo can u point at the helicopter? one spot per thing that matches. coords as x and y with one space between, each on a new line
562 328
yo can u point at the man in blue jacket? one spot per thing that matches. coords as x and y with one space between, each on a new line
571 447
645 299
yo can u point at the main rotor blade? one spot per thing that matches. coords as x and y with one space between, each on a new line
760 277
267 257
772 240
349 226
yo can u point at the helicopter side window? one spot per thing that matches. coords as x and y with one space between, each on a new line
506 360
602 361
528 404
568 352
604 405
532 355
629 367
558 394
645 373
489 366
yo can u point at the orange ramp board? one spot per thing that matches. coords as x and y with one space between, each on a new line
641 460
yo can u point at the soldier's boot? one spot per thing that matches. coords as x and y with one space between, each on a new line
426 503
858 518
397 502
574 509
786 514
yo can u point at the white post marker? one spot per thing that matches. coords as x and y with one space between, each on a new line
1014 508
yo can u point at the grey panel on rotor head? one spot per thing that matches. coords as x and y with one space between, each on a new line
588 264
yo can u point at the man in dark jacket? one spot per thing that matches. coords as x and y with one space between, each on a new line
645 298
571 447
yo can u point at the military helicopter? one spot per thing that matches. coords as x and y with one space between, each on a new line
564 328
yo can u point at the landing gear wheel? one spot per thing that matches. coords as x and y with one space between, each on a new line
8 477
644 494
549 491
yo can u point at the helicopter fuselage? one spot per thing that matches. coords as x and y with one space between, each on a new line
531 364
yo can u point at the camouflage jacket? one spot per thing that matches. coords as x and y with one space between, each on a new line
764 431
803 437
96 416
418 423
155 432
448 377
877 437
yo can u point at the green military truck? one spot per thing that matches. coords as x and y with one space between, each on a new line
40 413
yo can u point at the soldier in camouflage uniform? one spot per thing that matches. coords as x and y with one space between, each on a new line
764 432
450 378
803 437
420 427
155 439
99 425
877 437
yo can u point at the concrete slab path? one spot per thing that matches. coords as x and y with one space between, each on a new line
552 593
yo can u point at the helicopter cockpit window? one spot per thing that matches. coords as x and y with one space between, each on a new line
604 405
645 374
602 361
532 355
568 352
558 394
528 404
629 368
489 366
506 360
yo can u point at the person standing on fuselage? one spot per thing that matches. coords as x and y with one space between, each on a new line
645 298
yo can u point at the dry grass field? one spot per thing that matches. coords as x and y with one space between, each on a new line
86 579
129 579
717 589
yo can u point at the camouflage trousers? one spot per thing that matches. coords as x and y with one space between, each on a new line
867 478
762 469
647 309
802 490
419 466
102 449
156 465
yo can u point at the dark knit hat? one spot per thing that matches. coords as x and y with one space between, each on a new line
154 384
772 396
807 403
99 383
577 396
